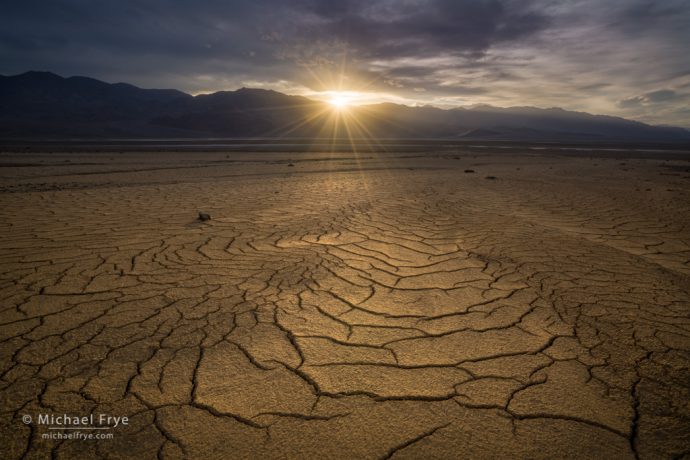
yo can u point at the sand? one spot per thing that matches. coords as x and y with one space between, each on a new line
363 305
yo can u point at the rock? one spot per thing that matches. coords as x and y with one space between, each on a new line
468 171
204 217
290 164
490 177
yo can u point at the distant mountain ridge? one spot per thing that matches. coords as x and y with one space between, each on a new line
40 105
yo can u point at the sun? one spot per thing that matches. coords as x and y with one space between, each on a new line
339 101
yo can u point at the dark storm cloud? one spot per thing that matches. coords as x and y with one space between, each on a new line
640 16
155 29
76 36
394 29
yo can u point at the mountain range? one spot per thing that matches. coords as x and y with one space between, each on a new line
43 105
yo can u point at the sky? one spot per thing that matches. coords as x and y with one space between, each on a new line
628 58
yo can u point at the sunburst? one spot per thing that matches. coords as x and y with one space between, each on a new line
339 101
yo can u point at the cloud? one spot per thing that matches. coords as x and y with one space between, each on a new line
398 29
212 32
653 97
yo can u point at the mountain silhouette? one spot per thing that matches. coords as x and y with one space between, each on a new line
40 105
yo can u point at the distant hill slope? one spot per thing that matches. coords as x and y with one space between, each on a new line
38 105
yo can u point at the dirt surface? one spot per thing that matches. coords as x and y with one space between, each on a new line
349 306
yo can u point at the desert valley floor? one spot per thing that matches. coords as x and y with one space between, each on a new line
347 305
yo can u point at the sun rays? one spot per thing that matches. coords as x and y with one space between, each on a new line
341 114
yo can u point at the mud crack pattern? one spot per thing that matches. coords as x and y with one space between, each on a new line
414 314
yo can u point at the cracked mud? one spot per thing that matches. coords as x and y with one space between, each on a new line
379 307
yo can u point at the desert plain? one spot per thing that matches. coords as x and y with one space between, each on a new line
438 301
